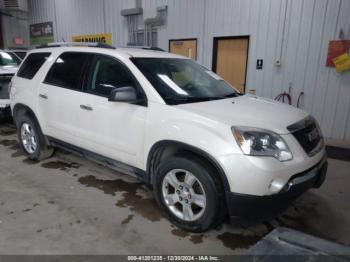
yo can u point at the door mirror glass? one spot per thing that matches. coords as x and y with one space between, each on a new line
125 94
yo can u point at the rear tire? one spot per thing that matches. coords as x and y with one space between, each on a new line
187 194
31 140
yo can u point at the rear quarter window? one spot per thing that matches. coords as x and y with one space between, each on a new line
32 64
67 71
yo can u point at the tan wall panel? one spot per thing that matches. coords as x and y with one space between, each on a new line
186 48
231 62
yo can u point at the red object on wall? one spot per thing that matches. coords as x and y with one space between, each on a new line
335 49
19 41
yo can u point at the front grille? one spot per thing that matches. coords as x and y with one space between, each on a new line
308 134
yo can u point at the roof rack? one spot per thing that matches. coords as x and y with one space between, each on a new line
154 48
87 44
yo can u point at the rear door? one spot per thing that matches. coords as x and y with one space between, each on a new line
59 97
111 129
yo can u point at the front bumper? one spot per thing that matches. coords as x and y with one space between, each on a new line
249 209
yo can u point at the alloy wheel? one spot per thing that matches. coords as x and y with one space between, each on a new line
29 138
184 194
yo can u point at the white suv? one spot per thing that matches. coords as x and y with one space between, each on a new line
208 151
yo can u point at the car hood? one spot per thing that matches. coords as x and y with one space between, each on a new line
250 111
9 69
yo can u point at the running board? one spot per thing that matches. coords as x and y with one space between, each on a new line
105 161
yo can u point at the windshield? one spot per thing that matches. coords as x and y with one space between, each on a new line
183 80
8 58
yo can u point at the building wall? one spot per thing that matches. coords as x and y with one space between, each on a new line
13 27
295 31
79 17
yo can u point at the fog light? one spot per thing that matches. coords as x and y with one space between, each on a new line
276 185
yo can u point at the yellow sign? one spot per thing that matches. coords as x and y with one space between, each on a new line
98 38
342 62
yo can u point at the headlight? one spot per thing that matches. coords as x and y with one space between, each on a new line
261 142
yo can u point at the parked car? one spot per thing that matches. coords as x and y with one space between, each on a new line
21 53
208 151
9 63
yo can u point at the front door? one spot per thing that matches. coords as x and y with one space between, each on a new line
230 60
112 129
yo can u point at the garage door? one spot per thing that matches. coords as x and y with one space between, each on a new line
187 47
230 60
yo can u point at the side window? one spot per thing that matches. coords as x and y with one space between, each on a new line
106 73
32 64
68 70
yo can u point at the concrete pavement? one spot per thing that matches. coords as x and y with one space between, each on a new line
70 205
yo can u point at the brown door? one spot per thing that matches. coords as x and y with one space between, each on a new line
230 60
187 47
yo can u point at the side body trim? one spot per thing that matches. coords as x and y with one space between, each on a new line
105 161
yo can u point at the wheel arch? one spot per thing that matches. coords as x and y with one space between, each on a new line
165 148
24 109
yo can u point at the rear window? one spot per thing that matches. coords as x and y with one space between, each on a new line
68 70
32 65
8 58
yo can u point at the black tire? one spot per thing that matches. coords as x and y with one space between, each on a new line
42 150
213 212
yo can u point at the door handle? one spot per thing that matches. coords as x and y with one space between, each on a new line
44 96
86 107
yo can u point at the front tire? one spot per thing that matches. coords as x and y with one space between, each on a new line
31 139
186 193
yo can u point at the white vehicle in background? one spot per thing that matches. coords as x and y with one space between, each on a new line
9 63
208 151
21 53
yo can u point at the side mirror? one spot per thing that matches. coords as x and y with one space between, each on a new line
125 94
